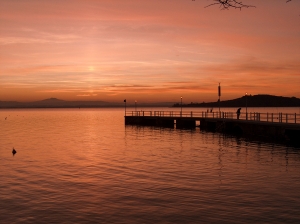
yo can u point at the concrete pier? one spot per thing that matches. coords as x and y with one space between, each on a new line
284 132
185 123
149 121
277 127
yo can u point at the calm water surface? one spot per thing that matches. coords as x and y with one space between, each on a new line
86 166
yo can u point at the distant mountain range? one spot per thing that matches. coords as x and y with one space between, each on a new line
250 101
57 103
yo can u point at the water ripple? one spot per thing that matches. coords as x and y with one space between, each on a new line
85 166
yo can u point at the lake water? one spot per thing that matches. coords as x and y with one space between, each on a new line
86 166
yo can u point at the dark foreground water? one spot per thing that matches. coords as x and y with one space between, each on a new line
85 166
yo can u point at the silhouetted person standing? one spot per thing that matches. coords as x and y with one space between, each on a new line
238 113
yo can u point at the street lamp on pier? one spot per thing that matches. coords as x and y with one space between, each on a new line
219 94
246 107
135 104
181 106
125 106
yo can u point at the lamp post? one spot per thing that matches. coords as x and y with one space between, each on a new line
181 107
125 106
135 105
219 94
246 107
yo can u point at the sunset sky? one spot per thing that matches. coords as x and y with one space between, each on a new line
149 51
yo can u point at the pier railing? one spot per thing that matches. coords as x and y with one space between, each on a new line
252 116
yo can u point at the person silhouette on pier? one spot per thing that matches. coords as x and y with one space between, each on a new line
238 113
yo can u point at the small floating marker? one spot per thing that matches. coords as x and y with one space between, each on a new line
14 151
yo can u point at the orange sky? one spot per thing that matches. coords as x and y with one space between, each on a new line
148 51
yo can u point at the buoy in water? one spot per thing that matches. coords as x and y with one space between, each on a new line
14 151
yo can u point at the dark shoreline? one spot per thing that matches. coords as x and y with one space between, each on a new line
244 101
249 101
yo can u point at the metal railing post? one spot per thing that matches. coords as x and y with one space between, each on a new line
280 117
272 117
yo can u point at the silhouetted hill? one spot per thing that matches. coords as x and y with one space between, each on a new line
10 104
57 103
54 103
251 101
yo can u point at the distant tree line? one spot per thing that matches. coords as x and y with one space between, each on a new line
250 101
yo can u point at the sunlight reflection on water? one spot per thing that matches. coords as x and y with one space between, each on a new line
86 166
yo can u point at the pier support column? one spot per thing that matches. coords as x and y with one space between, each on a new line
165 122
182 123
132 120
